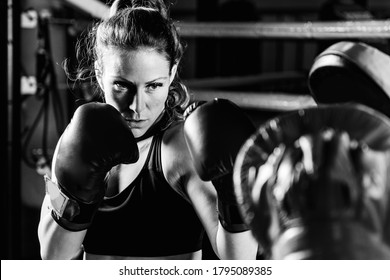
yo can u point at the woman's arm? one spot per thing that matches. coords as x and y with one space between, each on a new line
179 170
226 245
214 132
55 241
83 156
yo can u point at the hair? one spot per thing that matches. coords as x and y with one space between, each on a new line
131 25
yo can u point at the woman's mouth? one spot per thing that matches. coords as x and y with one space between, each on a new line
136 123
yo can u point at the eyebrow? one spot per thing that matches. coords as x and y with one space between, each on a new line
148 82
154 80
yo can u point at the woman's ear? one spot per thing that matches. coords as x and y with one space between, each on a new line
98 74
173 73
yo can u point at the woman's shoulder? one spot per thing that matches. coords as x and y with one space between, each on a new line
175 154
173 140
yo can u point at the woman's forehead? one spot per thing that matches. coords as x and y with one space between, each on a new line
139 60
131 53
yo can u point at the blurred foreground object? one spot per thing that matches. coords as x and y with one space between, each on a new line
314 184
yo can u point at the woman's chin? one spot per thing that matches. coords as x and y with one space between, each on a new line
139 133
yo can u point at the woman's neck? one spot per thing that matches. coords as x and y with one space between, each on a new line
158 125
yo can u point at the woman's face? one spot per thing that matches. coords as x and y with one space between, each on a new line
136 83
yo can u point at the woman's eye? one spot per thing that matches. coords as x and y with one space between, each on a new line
119 86
154 86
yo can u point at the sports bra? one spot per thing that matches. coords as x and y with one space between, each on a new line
148 218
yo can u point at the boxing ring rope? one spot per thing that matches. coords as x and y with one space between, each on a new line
284 30
273 101
377 29
343 30
205 89
231 81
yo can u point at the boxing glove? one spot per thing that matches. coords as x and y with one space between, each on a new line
214 132
96 139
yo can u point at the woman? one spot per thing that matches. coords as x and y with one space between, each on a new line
155 205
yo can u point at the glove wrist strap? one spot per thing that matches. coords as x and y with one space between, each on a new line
68 211
230 217
228 211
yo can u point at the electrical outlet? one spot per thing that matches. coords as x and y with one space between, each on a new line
28 85
29 19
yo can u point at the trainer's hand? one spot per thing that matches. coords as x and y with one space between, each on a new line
214 132
96 139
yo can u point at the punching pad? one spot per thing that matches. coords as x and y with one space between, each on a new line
352 72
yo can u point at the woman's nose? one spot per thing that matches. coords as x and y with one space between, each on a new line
138 102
